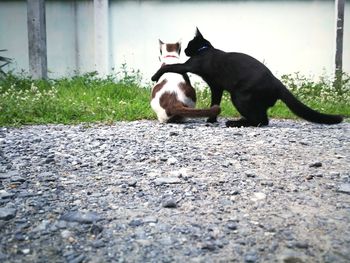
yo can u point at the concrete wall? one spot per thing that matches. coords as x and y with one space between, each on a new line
288 36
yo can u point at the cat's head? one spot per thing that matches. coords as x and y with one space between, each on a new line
197 44
169 51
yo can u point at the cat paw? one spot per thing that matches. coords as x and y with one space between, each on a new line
212 120
234 124
155 77
238 123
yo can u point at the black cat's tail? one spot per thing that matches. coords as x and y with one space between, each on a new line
303 111
180 110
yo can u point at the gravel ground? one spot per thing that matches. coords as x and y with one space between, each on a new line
145 192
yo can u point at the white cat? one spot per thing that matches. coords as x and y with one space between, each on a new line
173 97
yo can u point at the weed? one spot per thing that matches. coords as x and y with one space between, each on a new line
88 98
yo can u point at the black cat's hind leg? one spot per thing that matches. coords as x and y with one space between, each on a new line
243 122
259 118
251 116
238 123
246 123
216 96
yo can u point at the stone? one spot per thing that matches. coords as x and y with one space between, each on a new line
302 245
211 246
250 174
81 217
20 236
292 257
42 226
172 161
48 177
95 229
169 203
17 179
309 177
167 180
26 251
98 244
7 213
251 257
9 174
77 259
344 188
232 225
66 234
150 219
4 194
136 222
132 182
316 164
258 196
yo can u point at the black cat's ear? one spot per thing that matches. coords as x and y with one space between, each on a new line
198 33
160 45
179 42
179 46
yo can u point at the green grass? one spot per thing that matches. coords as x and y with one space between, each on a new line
88 98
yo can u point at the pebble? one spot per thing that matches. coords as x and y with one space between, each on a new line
316 164
77 259
302 245
258 196
42 226
172 161
132 183
290 256
66 234
150 219
148 192
232 225
7 213
81 217
136 222
4 194
167 180
9 174
48 177
17 179
344 188
169 203
211 246
96 229
26 251
251 257
310 177
250 174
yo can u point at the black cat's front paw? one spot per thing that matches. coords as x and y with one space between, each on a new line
212 119
155 77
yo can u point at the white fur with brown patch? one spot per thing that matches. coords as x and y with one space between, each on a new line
171 85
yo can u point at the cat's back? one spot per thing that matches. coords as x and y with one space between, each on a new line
174 83
244 60
239 63
171 81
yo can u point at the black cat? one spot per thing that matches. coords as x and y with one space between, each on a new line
252 86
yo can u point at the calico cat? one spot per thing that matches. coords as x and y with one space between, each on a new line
173 97
252 86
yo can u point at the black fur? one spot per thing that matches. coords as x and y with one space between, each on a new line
252 86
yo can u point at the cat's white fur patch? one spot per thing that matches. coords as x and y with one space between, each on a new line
171 86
